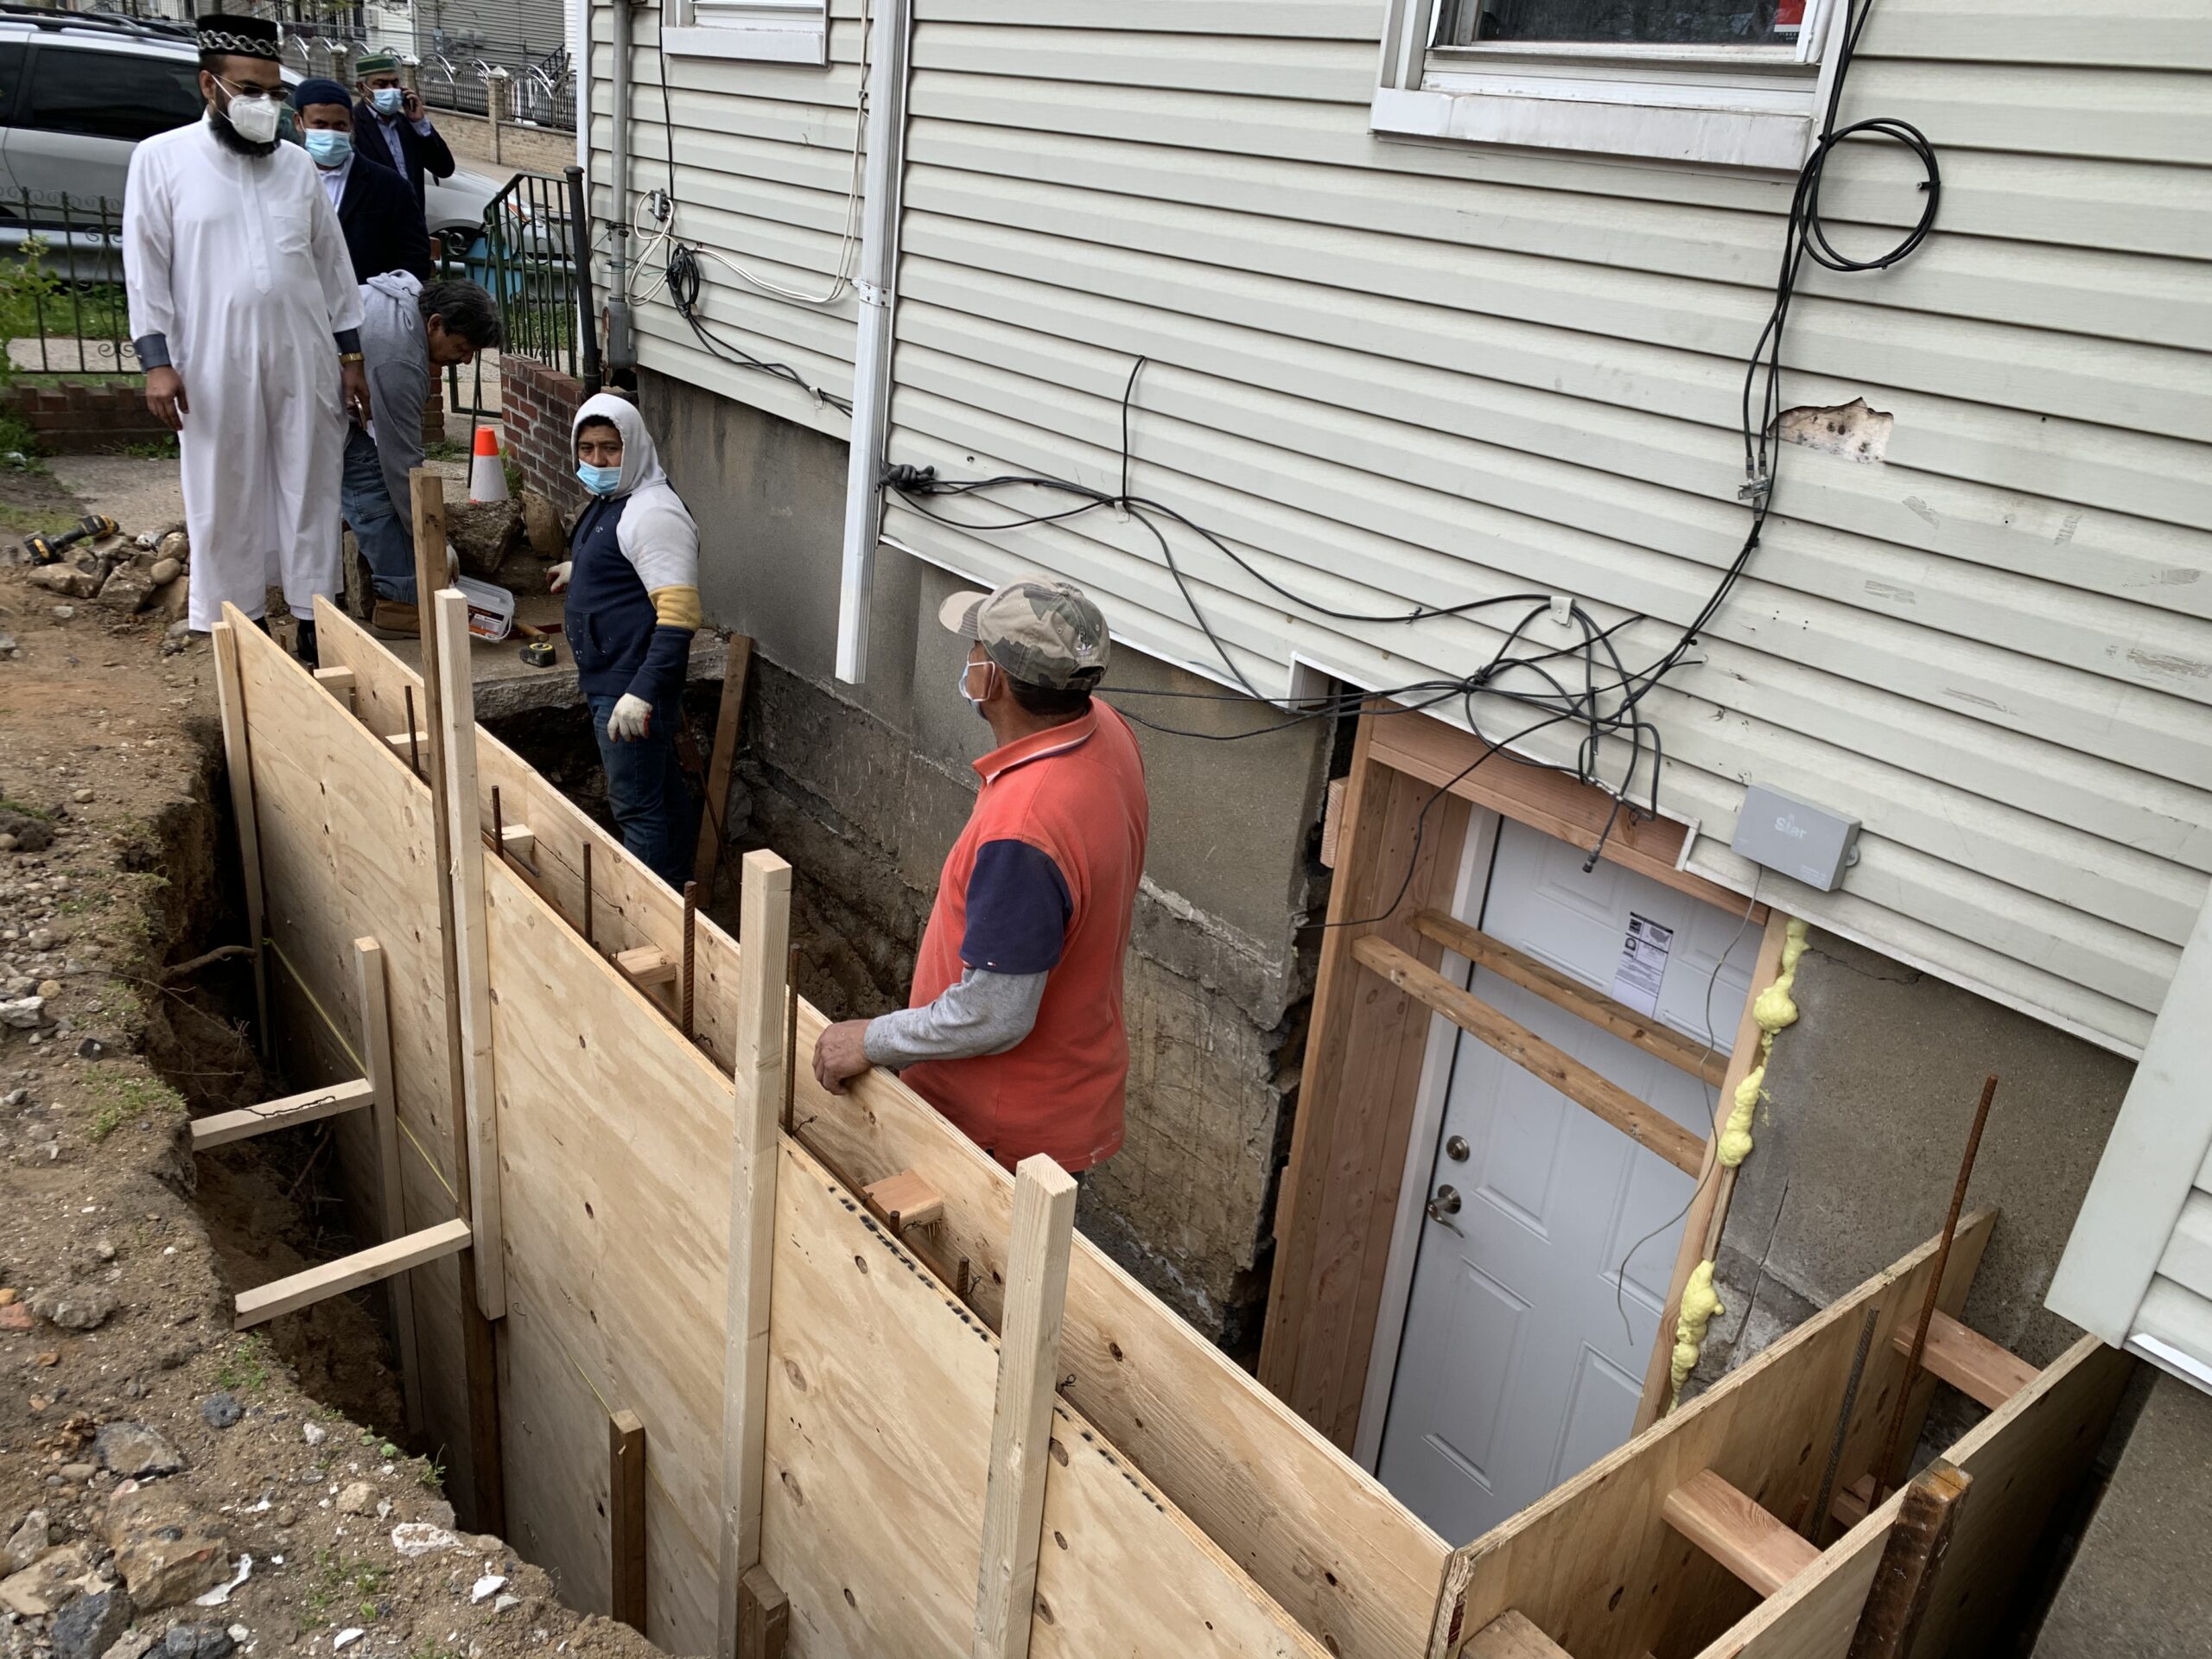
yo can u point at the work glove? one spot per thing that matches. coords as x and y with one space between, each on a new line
556 579
630 717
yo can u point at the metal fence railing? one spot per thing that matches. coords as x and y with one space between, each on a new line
453 70
527 259
62 309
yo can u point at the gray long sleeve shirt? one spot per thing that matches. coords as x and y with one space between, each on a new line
983 1012
396 356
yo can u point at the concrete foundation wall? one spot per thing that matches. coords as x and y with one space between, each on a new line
1870 1097
865 788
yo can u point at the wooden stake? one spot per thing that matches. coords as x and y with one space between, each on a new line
737 667
238 763
464 848
765 922
1021 1419
384 1107
626 1516
764 1615
1887 1463
1911 1558
480 1352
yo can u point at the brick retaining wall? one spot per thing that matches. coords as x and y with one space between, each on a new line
76 416
537 406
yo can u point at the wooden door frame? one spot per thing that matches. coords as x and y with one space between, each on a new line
1401 833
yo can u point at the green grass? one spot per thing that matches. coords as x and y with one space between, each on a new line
36 521
128 1099
160 449
247 1367
339 1579
10 804
16 434
445 449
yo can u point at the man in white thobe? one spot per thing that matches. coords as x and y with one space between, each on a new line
244 311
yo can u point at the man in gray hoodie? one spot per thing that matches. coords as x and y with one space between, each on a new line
408 332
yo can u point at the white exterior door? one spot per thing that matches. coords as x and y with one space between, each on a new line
1520 1362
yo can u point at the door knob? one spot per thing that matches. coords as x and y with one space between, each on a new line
1456 1149
1444 1206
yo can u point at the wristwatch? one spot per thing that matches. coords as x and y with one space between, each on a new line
352 357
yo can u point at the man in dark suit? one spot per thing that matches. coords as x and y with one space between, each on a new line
390 128
382 220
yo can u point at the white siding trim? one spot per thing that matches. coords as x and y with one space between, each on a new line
2151 1161
1514 112
764 31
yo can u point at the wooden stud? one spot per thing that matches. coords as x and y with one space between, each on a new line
220 1128
765 925
300 1290
1511 1636
1563 991
237 763
1984 1371
1029 1351
1912 1558
626 1517
480 1096
764 1615
737 669
1649 1128
907 1200
375 1057
1854 1502
1708 1208
646 966
338 682
1732 1529
480 1351
1399 852
517 841
410 744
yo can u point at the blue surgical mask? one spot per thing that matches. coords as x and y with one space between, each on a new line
600 480
389 101
328 149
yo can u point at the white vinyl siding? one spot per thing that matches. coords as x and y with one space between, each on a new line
1394 372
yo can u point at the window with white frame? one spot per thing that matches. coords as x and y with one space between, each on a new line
767 31
1728 82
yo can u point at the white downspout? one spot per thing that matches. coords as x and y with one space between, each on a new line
879 264
580 50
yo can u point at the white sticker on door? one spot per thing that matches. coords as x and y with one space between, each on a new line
1644 948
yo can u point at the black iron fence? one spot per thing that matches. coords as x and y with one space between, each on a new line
454 69
528 259
62 309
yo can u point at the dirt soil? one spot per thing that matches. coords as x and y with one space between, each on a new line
147 1453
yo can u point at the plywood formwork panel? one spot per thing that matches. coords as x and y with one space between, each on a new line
880 1389
607 1119
345 852
1314 1531
2023 1456
1595 1564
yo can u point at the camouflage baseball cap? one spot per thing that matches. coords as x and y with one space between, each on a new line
1040 632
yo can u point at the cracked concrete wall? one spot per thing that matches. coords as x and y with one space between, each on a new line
1872 1094
865 788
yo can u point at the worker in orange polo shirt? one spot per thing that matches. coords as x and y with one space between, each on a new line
1014 1030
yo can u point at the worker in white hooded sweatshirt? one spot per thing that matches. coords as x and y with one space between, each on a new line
245 315
631 579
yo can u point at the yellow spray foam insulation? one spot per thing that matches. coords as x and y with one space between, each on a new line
1699 1305
1736 1137
1774 1009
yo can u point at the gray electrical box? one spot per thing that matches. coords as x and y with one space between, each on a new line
1795 838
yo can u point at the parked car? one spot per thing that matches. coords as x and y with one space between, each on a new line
78 91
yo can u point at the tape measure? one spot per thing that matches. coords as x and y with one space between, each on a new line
538 653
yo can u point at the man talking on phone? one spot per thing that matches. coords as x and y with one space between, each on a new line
391 129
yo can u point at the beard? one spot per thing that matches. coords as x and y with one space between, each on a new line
227 136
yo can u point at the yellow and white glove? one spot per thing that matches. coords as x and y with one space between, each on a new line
630 717
556 579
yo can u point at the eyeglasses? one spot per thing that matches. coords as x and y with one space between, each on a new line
266 92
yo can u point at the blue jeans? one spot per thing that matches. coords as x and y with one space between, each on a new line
645 788
380 528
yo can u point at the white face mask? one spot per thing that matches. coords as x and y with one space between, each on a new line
965 668
253 119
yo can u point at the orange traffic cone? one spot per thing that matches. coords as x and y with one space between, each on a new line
487 474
